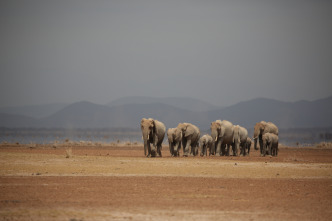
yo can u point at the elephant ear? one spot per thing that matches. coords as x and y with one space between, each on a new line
220 130
189 131
178 134
153 125
262 127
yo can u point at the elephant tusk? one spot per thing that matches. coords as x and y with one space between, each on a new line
254 138
148 136
216 139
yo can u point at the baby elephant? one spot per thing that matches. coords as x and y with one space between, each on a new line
174 140
205 142
270 144
246 149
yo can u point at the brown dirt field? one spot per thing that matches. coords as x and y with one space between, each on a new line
119 183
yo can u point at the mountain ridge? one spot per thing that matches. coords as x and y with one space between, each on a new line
84 114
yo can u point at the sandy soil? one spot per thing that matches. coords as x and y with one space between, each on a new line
119 183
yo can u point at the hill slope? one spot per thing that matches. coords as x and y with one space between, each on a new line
185 103
88 115
35 111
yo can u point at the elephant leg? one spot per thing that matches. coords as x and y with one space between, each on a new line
149 149
260 143
196 150
171 148
218 148
235 149
262 148
269 149
178 148
152 150
192 150
186 148
202 150
212 149
159 147
228 149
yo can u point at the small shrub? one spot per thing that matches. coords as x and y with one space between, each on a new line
324 145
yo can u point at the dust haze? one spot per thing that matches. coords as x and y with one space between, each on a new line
222 52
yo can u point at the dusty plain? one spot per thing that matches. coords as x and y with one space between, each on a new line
107 182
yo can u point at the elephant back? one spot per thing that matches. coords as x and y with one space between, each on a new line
272 128
160 127
243 134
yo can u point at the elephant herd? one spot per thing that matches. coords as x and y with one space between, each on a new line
224 137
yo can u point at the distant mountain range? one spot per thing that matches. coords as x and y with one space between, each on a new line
127 113
35 111
184 103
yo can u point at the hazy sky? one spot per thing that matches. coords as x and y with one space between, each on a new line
219 51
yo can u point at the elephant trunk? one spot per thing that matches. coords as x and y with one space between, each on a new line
145 146
255 143
147 136
214 135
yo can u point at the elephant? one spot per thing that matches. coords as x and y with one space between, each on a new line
190 138
174 140
270 144
247 146
222 134
206 142
239 140
260 129
153 132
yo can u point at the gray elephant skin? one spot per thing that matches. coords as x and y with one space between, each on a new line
222 135
247 146
260 129
239 140
174 136
206 142
190 138
270 144
153 132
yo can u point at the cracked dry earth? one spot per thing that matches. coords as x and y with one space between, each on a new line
119 183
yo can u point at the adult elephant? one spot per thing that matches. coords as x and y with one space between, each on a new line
270 144
222 135
205 142
190 138
260 129
239 140
174 136
153 132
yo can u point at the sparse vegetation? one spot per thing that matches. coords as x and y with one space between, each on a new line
324 145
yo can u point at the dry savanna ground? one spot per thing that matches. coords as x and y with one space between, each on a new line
119 183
